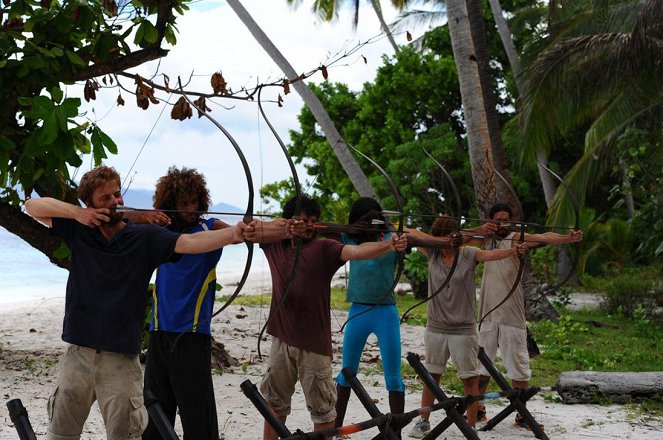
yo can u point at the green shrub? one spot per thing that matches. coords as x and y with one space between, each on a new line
630 292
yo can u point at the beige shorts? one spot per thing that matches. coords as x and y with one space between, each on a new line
462 349
512 342
286 365
115 380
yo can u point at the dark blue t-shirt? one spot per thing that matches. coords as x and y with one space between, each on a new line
108 280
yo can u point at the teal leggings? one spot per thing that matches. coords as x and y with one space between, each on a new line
382 320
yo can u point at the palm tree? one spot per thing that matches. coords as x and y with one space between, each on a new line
347 160
598 69
327 10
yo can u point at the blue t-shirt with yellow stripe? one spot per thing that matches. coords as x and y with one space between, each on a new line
184 291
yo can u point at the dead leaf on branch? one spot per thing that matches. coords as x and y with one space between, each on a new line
120 100
181 110
111 7
279 101
144 94
90 89
365 60
325 74
286 86
408 35
200 103
219 84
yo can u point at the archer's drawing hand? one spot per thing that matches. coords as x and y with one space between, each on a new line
487 229
521 248
399 242
298 228
456 239
249 231
92 217
575 236
158 218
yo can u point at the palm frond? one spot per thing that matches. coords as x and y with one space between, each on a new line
580 179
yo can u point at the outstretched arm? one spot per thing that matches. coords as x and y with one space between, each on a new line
423 241
373 249
45 209
552 238
207 241
276 230
499 254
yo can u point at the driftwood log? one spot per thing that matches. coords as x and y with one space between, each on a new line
594 386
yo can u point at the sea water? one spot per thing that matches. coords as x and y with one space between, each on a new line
27 274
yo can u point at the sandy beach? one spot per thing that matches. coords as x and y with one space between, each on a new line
30 347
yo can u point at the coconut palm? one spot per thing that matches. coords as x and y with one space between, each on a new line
327 10
598 69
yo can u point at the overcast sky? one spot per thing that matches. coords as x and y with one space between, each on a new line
211 38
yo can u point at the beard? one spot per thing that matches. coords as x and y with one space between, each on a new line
115 217
502 232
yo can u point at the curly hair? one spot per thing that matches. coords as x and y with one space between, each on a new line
178 182
443 226
307 205
93 179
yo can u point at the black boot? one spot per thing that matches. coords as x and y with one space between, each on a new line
342 398
397 406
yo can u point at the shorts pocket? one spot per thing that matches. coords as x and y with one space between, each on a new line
325 394
137 417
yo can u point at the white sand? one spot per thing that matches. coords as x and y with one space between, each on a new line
30 346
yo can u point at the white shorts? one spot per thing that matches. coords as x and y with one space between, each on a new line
512 342
462 349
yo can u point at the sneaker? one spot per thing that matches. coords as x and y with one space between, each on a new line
521 423
421 428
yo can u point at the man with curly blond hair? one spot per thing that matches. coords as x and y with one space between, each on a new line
112 262
178 369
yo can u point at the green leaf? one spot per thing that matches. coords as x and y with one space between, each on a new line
169 34
62 251
70 107
3 63
108 142
75 59
659 249
56 93
50 129
150 33
138 38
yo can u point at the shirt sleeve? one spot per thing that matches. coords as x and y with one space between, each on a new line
65 228
162 243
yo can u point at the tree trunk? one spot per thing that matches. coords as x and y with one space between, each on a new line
470 48
478 137
599 387
348 162
383 24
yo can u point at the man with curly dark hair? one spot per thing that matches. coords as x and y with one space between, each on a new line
112 262
178 368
